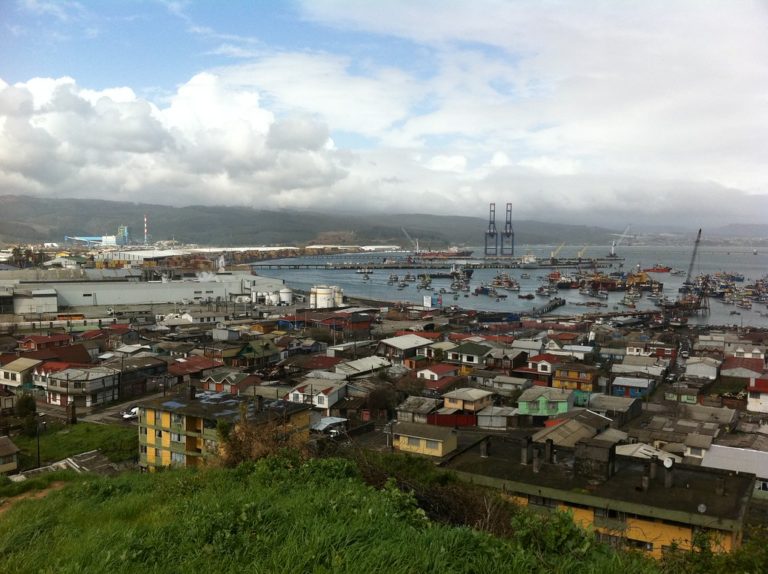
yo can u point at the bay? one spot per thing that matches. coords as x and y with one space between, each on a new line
709 260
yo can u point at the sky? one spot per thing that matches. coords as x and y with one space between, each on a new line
597 112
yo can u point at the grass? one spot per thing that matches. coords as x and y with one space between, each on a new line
117 442
277 515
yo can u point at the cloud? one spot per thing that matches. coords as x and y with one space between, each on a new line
598 112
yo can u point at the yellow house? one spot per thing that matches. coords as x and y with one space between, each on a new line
418 438
628 502
468 399
182 430
575 377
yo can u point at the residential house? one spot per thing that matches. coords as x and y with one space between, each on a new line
429 440
702 368
757 395
623 500
530 346
496 418
194 367
182 430
739 372
9 459
18 373
577 377
260 353
138 375
397 349
544 401
83 387
362 367
640 365
506 386
416 362
621 410
468 355
229 380
320 393
438 371
467 399
696 445
40 342
744 350
7 401
631 387
540 369
682 393
438 351
415 409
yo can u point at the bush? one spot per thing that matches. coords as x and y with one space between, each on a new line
25 405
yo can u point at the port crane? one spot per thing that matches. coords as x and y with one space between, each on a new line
553 254
616 242
414 244
693 298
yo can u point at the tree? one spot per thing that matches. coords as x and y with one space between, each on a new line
25 405
251 440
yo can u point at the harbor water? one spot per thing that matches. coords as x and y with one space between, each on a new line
376 284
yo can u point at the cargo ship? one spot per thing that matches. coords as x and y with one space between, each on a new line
657 269
452 253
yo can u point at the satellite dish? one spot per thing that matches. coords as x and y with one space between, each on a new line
702 508
668 462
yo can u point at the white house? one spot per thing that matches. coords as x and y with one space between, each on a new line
702 368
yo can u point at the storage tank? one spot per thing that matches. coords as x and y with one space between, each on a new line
338 297
286 296
271 298
322 297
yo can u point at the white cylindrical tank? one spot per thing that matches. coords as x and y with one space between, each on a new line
323 296
286 296
338 297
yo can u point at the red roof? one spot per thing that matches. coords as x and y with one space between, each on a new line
69 353
318 362
454 337
758 386
756 365
441 384
89 335
564 336
441 369
192 365
53 367
45 338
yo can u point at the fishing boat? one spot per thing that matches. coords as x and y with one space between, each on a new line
657 269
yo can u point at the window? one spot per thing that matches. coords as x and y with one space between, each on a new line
177 419
157 454
158 434
176 437
413 441
296 398
471 359
552 405
543 368
320 400
178 458
143 449
541 501
143 430
695 451
433 444
754 395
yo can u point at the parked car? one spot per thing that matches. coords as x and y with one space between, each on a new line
130 413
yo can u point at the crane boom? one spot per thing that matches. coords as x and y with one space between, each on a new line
414 244
693 259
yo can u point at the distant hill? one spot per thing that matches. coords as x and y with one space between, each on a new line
33 219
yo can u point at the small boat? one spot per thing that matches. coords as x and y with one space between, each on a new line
526 296
657 269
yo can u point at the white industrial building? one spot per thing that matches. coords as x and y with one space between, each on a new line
49 297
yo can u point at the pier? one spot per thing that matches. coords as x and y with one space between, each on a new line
439 265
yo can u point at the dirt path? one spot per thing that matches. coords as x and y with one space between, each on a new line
32 494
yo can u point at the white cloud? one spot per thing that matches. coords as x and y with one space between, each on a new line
655 109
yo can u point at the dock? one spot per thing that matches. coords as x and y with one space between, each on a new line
439 265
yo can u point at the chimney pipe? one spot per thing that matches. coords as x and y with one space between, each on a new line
668 477
548 450
525 452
